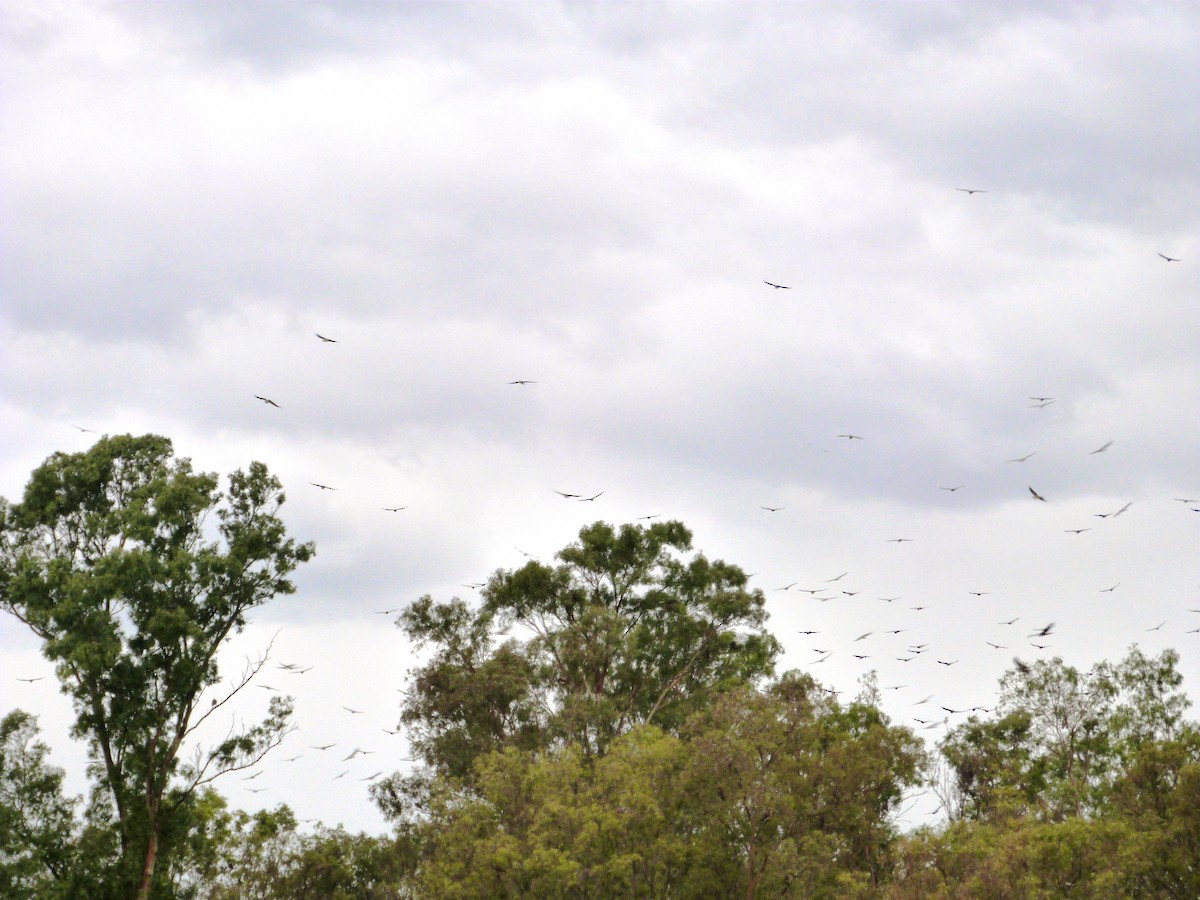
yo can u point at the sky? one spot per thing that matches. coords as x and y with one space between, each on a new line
593 198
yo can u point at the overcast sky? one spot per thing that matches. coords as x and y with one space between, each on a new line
590 197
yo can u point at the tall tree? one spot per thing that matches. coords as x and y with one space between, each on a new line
110 559
623 631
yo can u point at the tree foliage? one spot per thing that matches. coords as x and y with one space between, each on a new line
110 558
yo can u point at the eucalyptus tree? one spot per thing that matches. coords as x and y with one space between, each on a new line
624 630
133 569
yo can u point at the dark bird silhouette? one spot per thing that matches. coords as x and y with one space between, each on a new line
1009 622
590 499
84 430
1159 626
1168 258
1111 589
522 381
781 287
1044 632
1041 405
944 663
771 508
971 190
898 541
1036 495
1101 449
357 712
323 487
959 488
978 593
1042 399
31 680
325 339
568 496
839 578
1023 458
851 437
267 400
394 508
1076 530
996 646
323 746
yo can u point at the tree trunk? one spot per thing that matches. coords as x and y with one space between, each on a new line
148 868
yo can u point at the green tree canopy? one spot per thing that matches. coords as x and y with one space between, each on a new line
112 560
624 630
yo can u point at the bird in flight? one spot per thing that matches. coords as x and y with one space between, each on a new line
1114 514
863 636
953 489
1044 632
851 437
323 487
1076 530
394 508
323 746
997 646
644 518
971 190
1101 449
325 339
267 400
1042 399
898 541
839 578
356 712
944 663
1159 626
84 430
1041 405
1168 258
568 496
1023 458
978 593
1009 622
1111 589
589 499
780 287
31 680
522 381
771 508
1036 495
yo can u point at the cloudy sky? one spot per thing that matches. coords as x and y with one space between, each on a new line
590 197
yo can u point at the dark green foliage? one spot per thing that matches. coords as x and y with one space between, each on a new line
109 559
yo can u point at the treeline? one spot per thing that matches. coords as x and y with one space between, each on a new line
609 725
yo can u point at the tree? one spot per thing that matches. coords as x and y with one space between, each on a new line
37 822
110 559
622 632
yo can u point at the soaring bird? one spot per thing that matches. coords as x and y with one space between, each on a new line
522 381
1041 405
1101 449
31 680
771 508
267 400
84 430
971 190
568 496
851 437
1076 530
1169 258
838 578
323 487
1044 632
1036 495
394 508
325 339
898 541
781 287
1042 399
953 489
1023 458
589 499
1111 589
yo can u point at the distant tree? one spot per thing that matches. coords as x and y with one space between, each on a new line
37 822
1082 784
110 559
623 631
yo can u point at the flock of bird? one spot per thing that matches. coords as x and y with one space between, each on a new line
902 651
